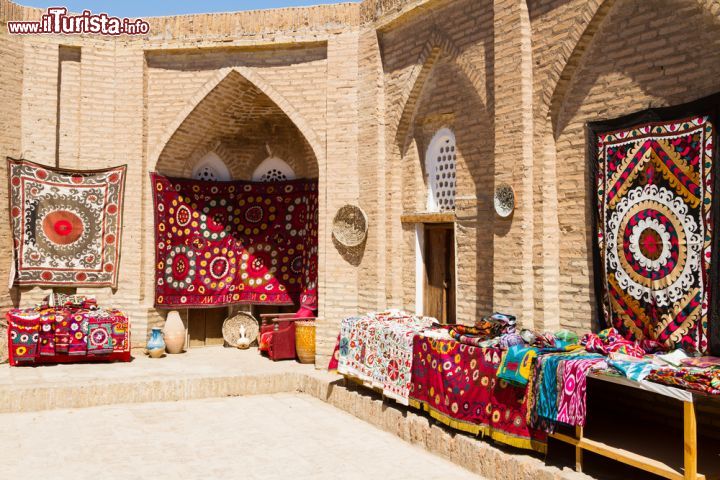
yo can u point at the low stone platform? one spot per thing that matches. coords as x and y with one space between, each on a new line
219 372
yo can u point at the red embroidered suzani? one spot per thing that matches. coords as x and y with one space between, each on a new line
654 198
221 243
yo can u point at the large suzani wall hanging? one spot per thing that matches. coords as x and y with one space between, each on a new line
221 243
655 216
66 224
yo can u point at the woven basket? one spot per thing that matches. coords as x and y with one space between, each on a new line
305 341
231 328
350 226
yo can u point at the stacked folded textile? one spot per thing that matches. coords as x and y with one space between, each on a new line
75 327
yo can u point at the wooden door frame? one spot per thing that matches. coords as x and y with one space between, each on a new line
420 271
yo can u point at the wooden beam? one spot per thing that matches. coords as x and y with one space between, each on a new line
578 449
427 218
690 434
624 456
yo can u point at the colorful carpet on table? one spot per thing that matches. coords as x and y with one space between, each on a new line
458 385
222 243
99 336
66 224
655 228
23 329
377 350
46 337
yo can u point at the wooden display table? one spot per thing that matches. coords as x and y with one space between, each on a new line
657 460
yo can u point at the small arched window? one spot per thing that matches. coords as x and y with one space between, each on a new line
440 169
273 169
211 168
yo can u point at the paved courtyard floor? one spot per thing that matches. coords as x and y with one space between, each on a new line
277 436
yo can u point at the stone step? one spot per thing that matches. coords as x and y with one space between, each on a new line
218 372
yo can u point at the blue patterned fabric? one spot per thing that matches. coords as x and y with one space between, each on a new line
636 371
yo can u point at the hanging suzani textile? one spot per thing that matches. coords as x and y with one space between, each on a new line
654 221
222 243
66 224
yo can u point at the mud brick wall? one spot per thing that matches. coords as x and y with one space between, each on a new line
352 94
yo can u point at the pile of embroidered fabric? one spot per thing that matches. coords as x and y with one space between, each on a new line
67 328
649 361
515 386
475 379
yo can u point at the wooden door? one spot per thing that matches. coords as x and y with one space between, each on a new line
439 259
205 326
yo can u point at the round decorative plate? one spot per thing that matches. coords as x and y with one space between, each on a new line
504 200
350 226
231 328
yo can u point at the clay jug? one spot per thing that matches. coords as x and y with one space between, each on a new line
174 332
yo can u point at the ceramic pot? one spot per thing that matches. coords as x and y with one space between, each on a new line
156 344
174 332
305 341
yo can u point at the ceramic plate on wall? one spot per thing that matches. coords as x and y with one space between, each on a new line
504 200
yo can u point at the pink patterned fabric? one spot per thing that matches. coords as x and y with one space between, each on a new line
573 387
610 341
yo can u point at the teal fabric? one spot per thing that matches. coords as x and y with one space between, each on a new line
547 402
636 371
516 365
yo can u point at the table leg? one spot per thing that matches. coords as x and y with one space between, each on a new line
690 433
578 449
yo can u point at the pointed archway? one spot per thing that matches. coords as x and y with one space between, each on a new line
241 119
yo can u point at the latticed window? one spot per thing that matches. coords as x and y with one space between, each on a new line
273 169
211 168
440 169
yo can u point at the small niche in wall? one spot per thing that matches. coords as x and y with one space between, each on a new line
67 121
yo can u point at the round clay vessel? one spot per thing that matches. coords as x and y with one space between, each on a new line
174 333
156 345
305 341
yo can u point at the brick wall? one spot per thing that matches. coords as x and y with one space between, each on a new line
352 94
11 85
655 62
437 75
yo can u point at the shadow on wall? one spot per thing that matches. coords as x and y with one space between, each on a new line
450 99
352 255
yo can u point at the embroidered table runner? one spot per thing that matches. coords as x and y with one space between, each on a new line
377 349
